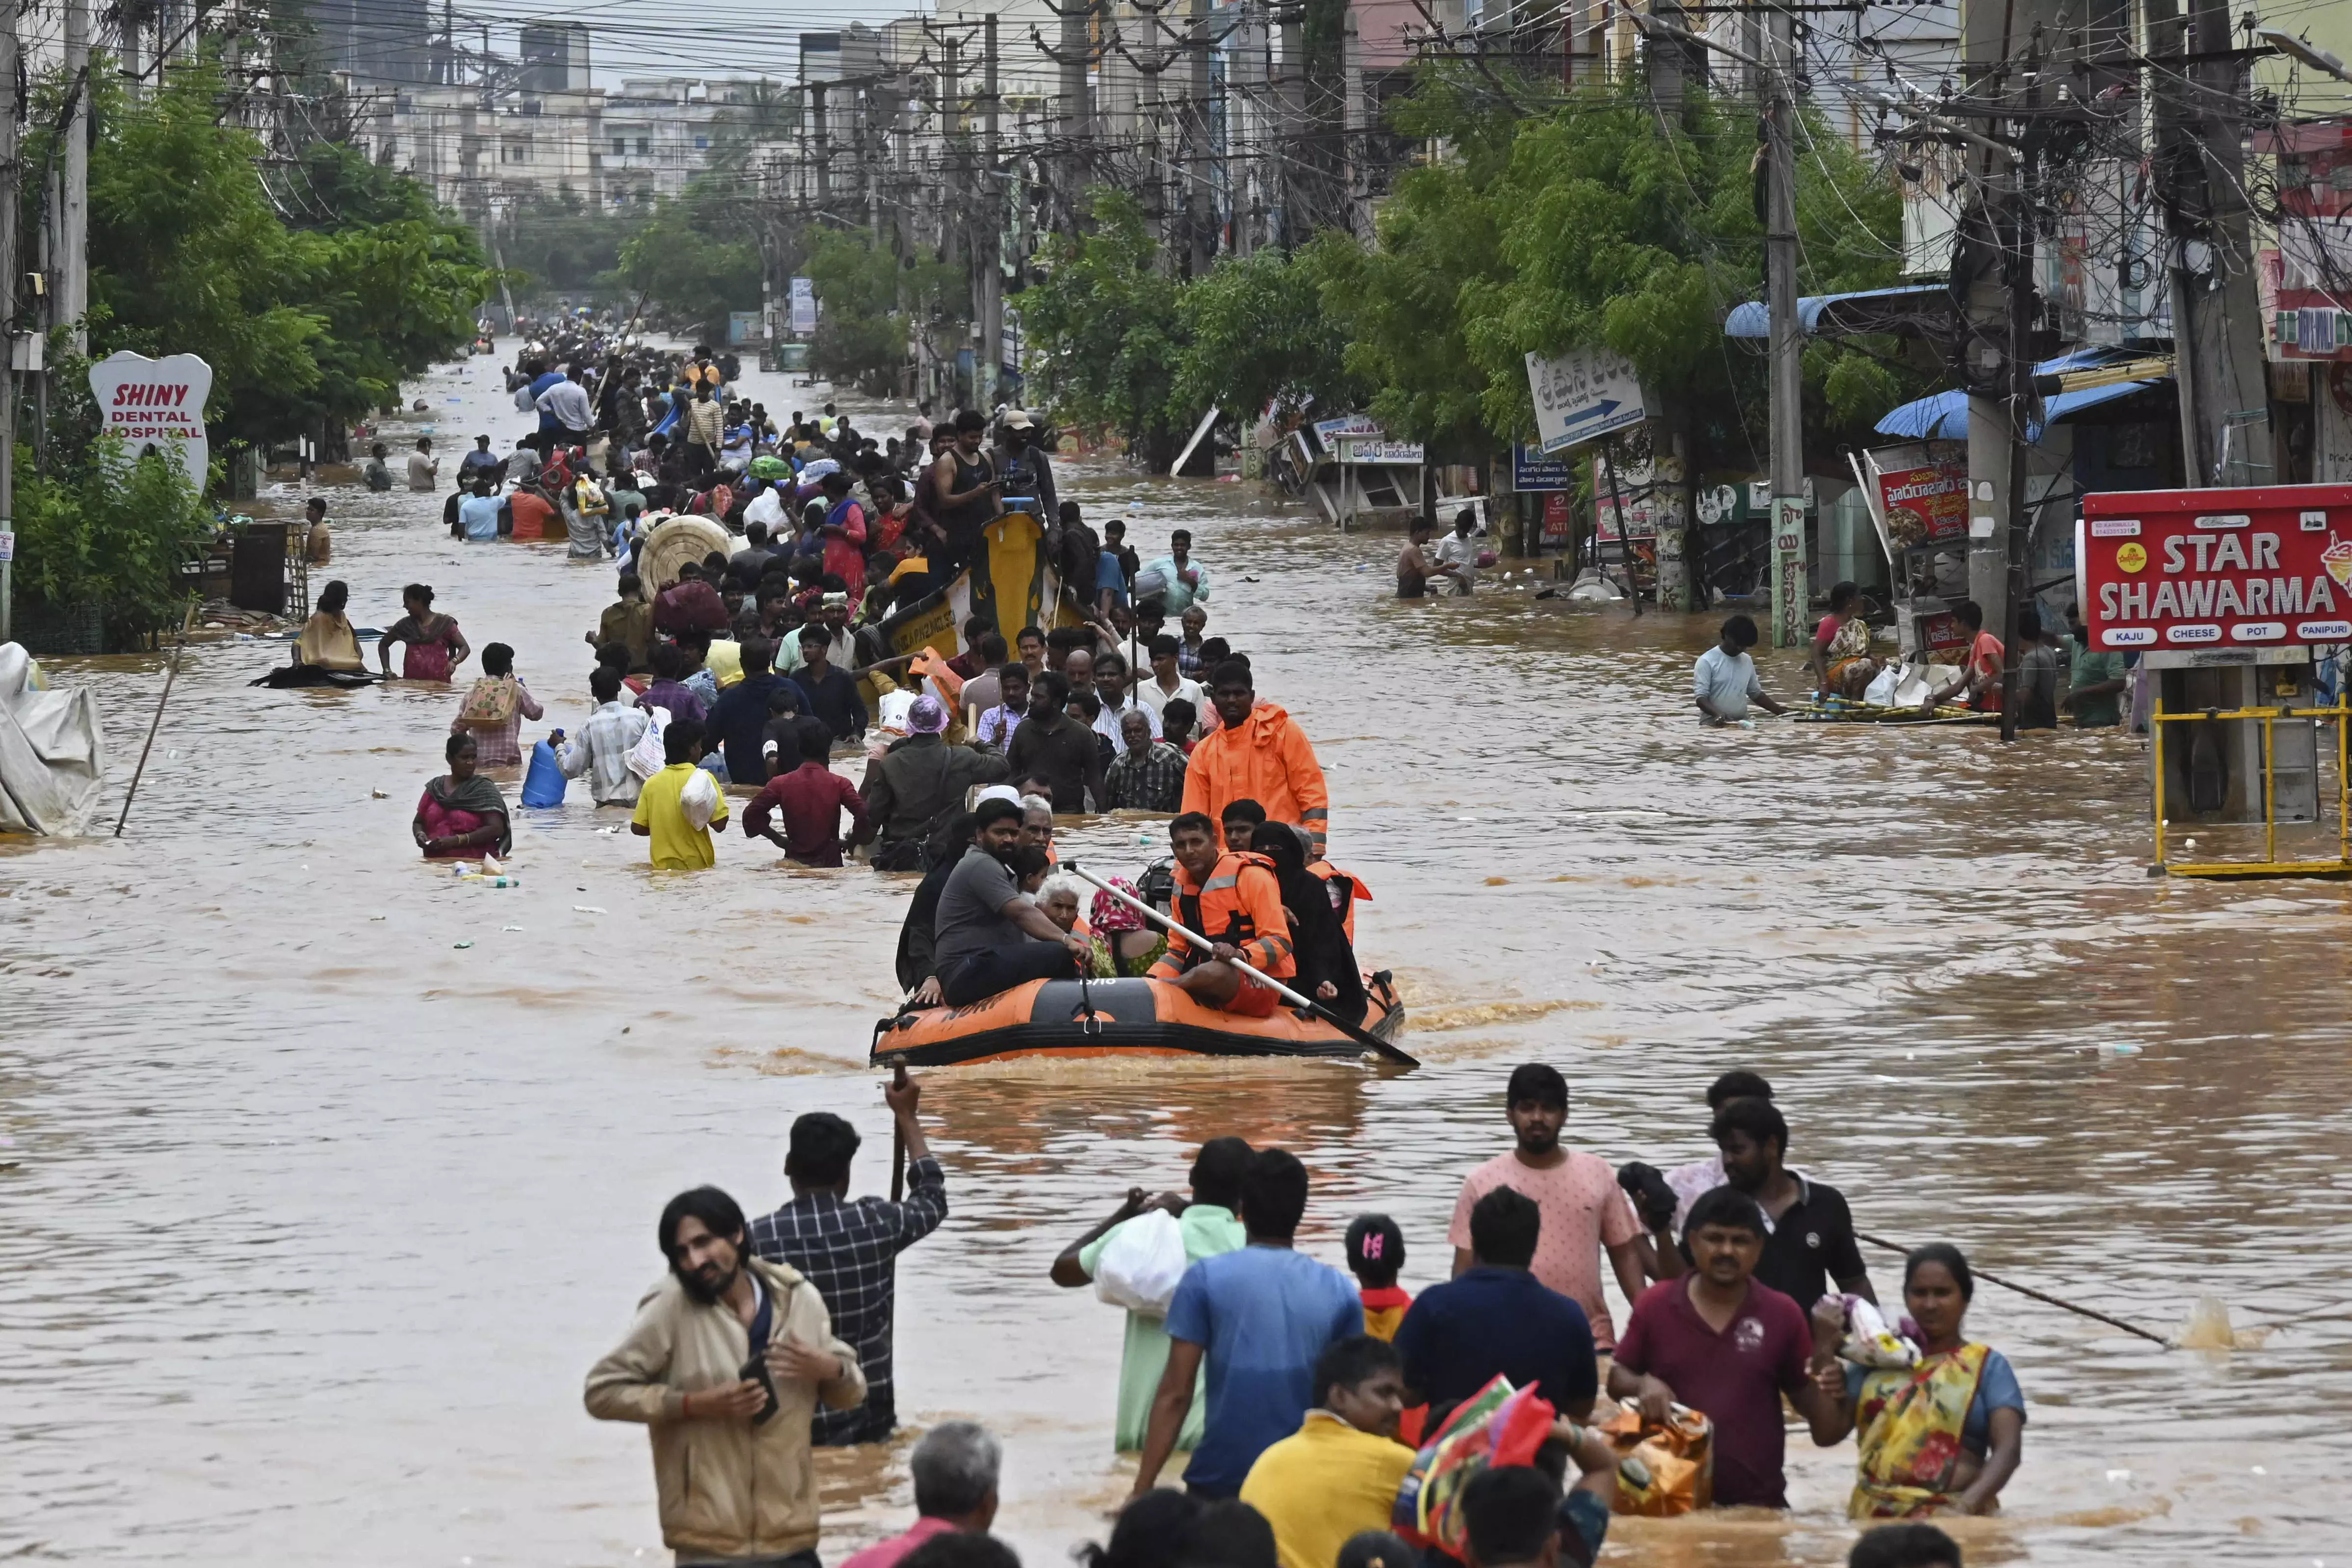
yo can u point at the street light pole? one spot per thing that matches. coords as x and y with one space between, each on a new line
1788 344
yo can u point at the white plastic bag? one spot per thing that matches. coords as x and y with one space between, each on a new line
1881 691
1143 1264
647 757
698 801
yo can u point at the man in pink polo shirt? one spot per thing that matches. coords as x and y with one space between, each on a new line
1584 1210
955 1468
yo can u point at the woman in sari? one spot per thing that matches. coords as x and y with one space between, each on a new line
1125 947
432 646
327 640
461 815
1943 1436
494 709
1841 655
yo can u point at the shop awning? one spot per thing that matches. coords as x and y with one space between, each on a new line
1944 414
1908 308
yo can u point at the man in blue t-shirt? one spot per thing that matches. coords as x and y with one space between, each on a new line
1258 1318
1497 1317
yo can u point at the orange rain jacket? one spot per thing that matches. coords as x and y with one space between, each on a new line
1266 759
1240 903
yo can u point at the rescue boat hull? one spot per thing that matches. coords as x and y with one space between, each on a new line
1115 1019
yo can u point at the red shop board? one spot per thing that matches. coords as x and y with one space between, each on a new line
2267 566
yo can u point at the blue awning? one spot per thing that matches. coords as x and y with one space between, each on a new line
1944 415
1909 306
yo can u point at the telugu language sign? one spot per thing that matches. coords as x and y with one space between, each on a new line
2168 569
156 406
1923 491
1581 395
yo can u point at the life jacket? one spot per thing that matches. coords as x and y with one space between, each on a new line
1346 888
1219 911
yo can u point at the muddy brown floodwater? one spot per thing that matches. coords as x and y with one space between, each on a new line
315 1217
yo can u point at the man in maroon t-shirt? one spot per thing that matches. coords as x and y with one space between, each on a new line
1720 1342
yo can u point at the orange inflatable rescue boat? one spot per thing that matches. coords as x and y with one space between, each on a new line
1072 1018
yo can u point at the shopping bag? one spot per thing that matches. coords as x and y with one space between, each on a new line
1664 1470
1497 1426
490 704
698 801
1142 1264
648 756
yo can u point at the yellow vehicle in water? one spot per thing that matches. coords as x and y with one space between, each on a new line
1010 582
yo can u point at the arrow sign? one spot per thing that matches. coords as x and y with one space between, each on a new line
1582 395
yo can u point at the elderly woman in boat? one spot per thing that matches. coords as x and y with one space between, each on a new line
461 815
1943 1436
1841 659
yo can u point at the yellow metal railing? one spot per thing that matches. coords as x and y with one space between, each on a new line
2269 865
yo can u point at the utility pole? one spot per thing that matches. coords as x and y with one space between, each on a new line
1078 114
986 251
11 177
1788 344
1668 58
2200 164
69 274
1200 148
1354 121
1293 119
2017 231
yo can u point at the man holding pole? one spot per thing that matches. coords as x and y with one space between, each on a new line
1232 900
849 1249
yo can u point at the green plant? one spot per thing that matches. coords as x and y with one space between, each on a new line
106 530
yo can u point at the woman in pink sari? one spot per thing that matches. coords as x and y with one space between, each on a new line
461 815
432 647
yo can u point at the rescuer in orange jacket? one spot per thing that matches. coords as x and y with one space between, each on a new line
1260 754
1241 820
1233 900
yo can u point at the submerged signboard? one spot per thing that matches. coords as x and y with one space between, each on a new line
2269 565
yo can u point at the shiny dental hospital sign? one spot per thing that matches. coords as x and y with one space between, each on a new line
157 404
2266 567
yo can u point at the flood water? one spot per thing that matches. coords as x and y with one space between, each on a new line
316 1216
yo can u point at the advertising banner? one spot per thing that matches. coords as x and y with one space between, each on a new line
1923 491
2269 565
156 404
804 296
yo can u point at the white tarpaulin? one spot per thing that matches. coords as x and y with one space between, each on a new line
52 753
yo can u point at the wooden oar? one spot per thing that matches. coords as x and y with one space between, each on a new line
2037 1295
1363 1037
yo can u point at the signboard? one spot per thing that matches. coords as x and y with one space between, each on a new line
1922 491
1358 450
2245 568
1330 430
1555 515
1627 506
1531 472
1008 342
2303 283
742 327
155 404
7 547
1581 395
804 307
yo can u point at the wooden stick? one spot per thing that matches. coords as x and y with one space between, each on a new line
898 1134
2037 1295
155 723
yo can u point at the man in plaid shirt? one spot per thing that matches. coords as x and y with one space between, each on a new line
1147 776
849 1250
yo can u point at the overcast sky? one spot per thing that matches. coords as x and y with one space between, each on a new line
665 38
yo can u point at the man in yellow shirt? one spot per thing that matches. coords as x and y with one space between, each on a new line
678 844
1339 1473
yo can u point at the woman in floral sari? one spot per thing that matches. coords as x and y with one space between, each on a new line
1842 647
1943 1436
1124 946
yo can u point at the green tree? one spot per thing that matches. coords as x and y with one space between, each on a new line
556 244
1105 327
1255 331
687 263
867 303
